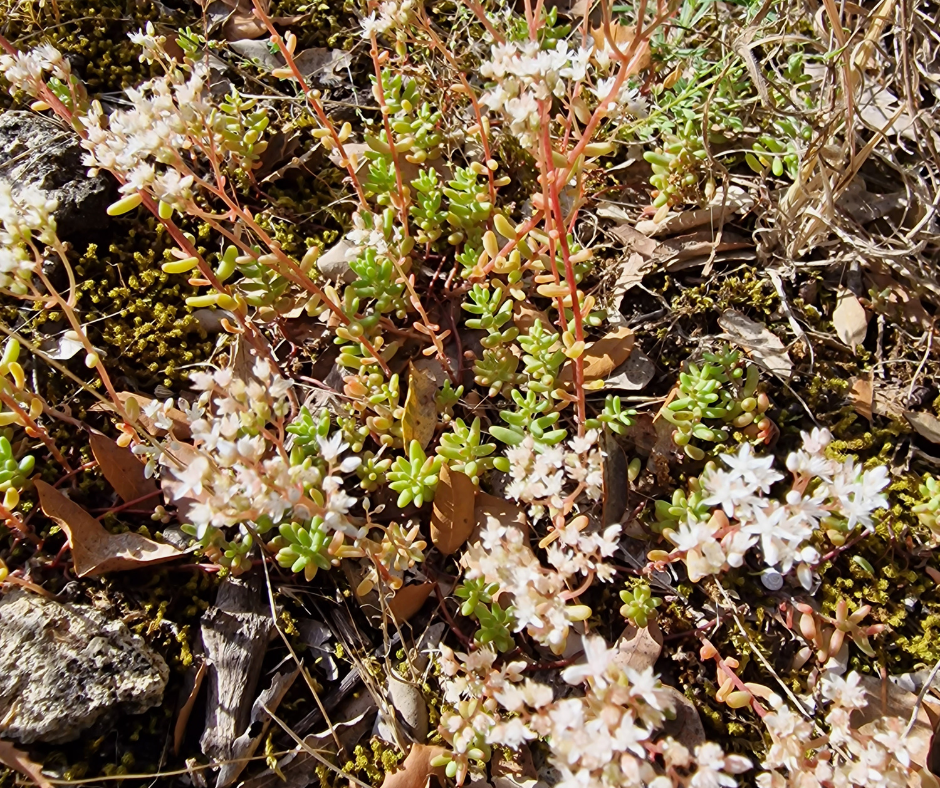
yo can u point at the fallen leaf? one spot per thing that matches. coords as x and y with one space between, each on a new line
602 357
420 418
524 316
408 600
862 396
94 549
926 424
19 761
760 342
717 212
686 728
179 729
633 375
631 273
639 647
850 319
622 36
452 516
887 699
121 467
416 768
321 65
503 511
180 424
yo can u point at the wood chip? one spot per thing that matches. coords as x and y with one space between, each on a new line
850 319
122 468
235 634
761 344
926 424
247 743
94 549
452 516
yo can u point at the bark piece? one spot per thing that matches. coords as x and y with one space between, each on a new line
235 635
246 744
65 669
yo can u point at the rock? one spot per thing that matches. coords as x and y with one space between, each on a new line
38 151
65 668
408 701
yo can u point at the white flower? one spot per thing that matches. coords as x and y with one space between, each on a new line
191 478
598 658
755 471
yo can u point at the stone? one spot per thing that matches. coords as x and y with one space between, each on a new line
44 153
67 668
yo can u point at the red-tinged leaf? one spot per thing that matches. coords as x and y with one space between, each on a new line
94 549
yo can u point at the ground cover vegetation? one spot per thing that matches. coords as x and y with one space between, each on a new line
547 392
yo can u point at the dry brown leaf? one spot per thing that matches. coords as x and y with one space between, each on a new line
926 424
503 511
452 516
179 729
94 549
602 357
686 728
524 316
908 304
622 36
850 319
759 341
121 468
862 396
639 648
180 428
420 418
20 762
408 600
887 699
718 212
416 768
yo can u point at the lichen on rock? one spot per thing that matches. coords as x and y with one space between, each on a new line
66 669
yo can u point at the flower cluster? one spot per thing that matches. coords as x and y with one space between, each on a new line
238 473
28 71
525 77
729 510
874 755
25 216
607 737
539 595
542 474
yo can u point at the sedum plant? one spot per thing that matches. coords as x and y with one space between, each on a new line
639 604
415 477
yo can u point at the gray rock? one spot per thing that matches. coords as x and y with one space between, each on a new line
42 152
66 668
